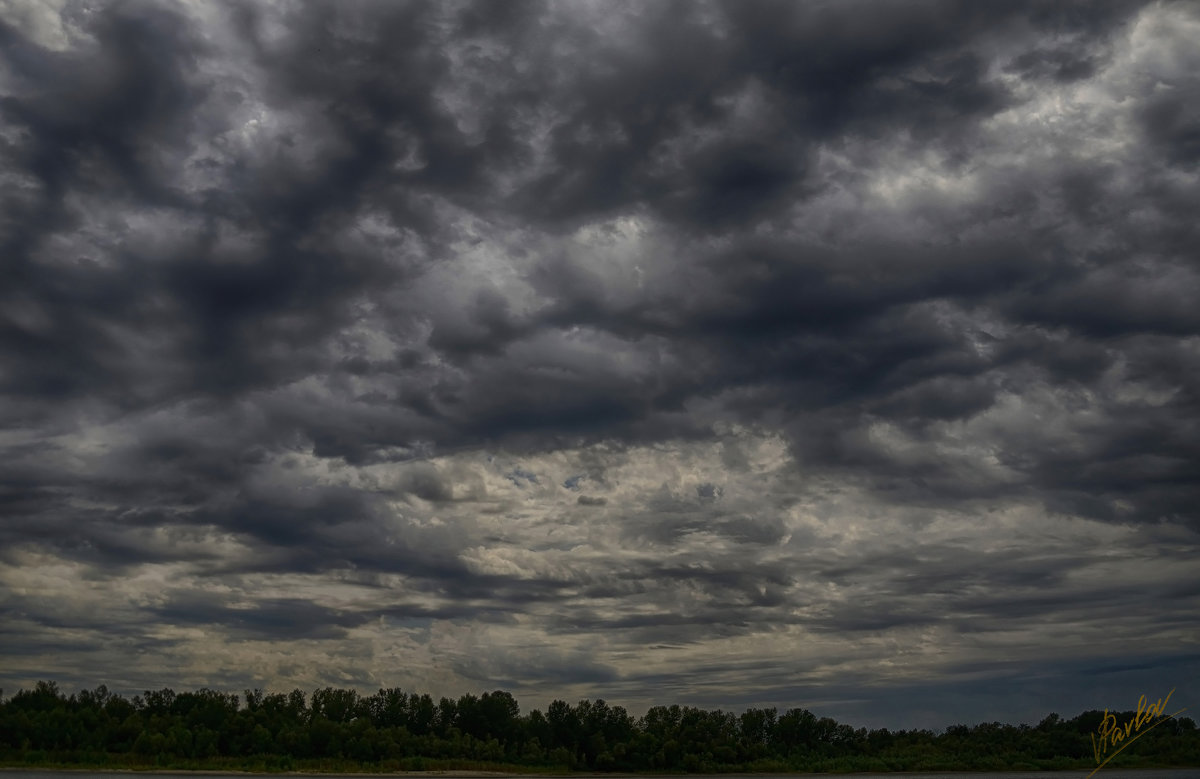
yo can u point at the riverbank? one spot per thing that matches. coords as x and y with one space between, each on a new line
373 772
364 774
223 772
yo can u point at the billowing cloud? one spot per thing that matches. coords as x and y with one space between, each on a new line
731 353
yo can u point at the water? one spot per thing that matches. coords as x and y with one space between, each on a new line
1103 773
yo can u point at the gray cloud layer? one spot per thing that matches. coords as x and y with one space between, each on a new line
825 354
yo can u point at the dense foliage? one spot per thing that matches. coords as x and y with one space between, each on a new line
337 729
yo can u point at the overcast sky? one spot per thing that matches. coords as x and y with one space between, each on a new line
842 355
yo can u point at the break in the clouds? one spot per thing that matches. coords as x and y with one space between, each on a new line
841 355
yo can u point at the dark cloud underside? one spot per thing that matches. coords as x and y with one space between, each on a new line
718 347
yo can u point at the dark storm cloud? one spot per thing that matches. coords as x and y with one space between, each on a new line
271 618
243 324
281 281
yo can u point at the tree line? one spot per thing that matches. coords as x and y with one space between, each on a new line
341 729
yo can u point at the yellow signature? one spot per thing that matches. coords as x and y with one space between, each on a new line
1112 734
